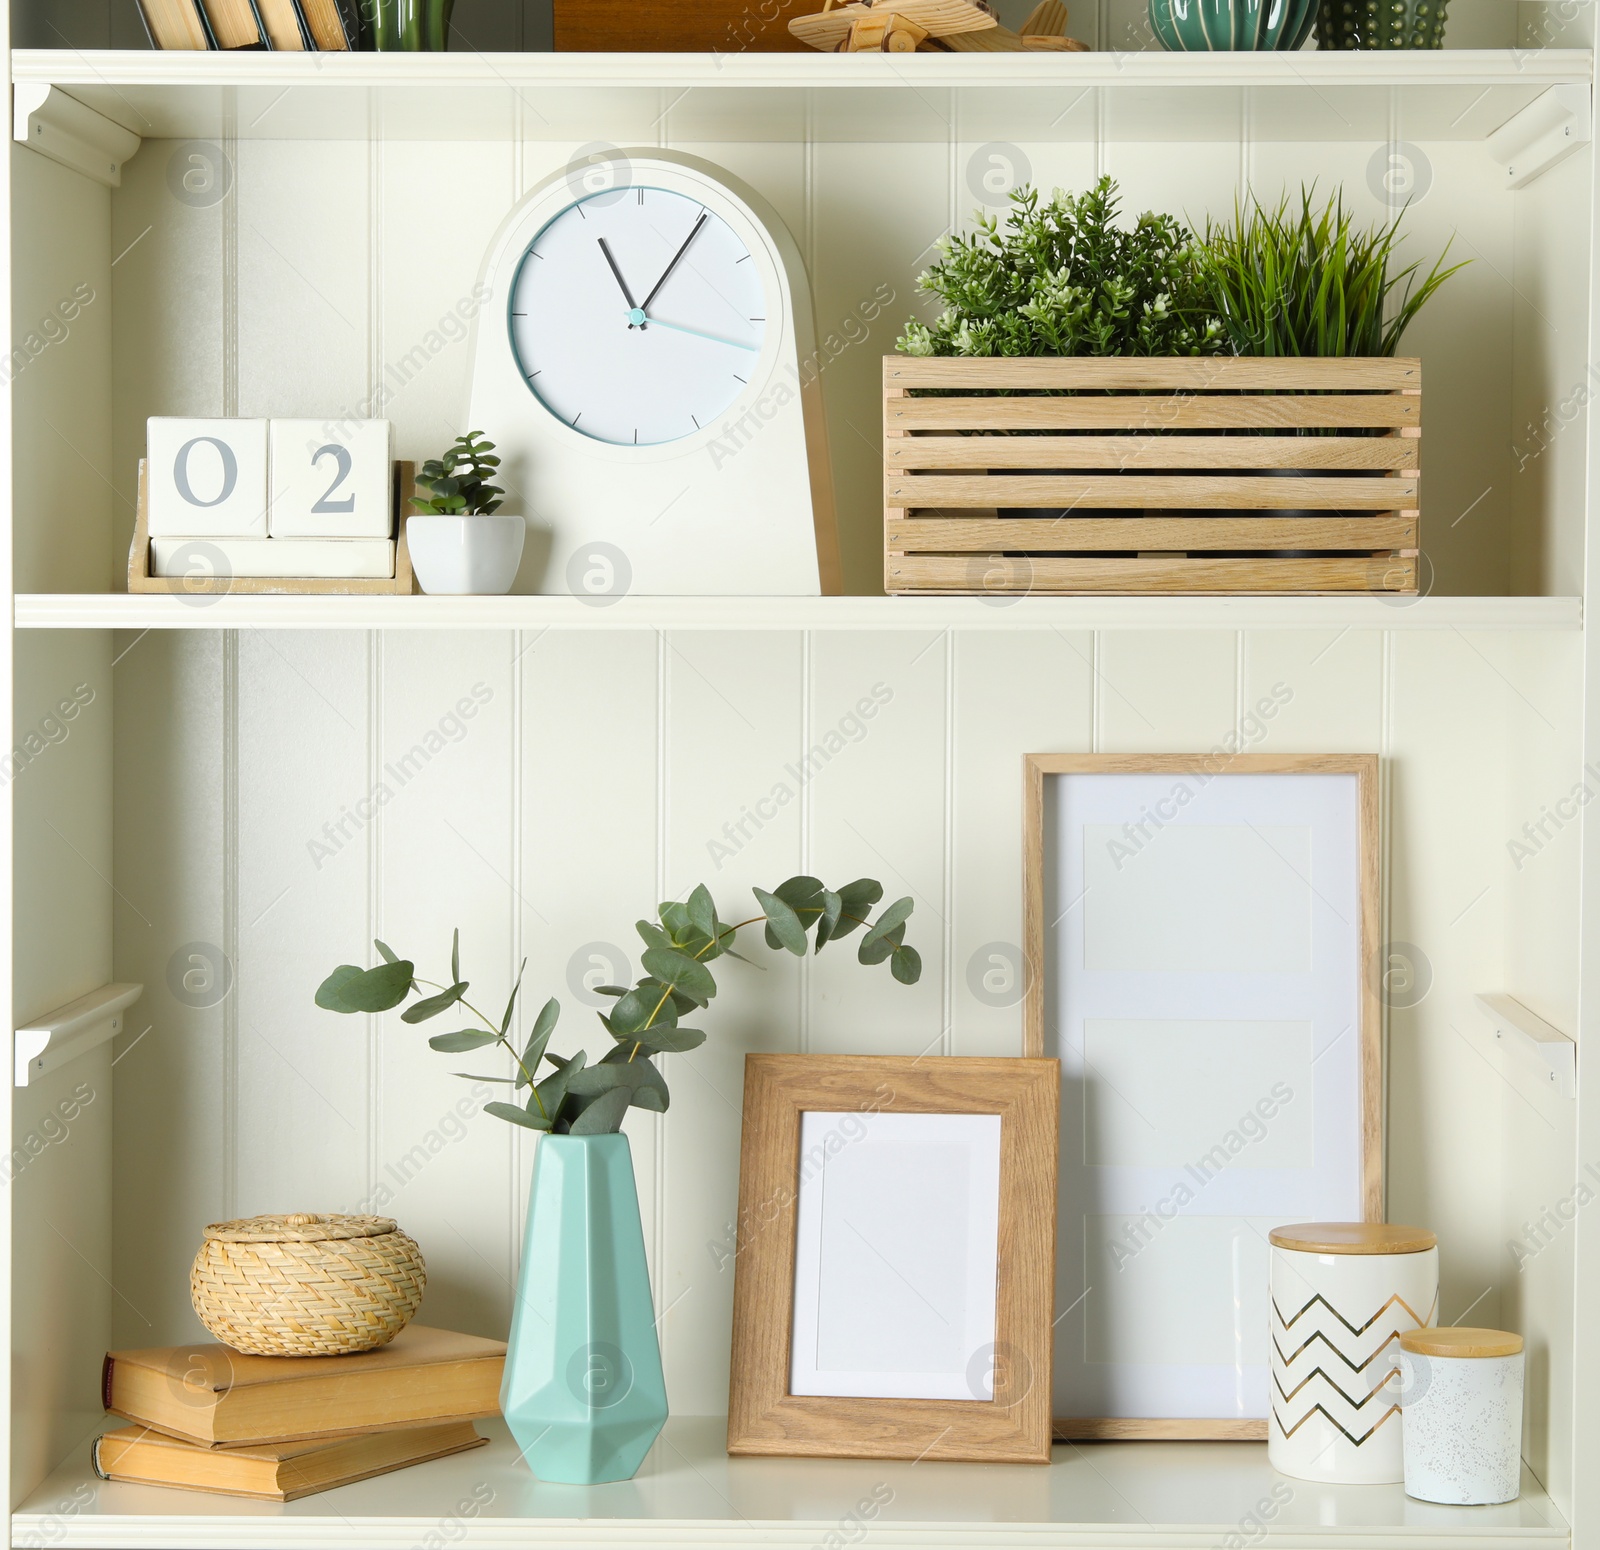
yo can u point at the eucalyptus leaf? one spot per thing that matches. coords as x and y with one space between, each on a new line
602 1115
330 993
644 1006
702 911
653 935
543 1026
455 954
895 915
472 1076
511 1002
681 972
517 1116
782 922
432 1006
366 990
828 921
874 949
465 1039
387 953
906 965
669 1041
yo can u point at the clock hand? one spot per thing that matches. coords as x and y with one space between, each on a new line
675 257
626 294
679 328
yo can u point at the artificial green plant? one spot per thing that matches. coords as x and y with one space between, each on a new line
459 481
1060 277
577 1098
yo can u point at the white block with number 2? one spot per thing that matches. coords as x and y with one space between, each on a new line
207 478
330 481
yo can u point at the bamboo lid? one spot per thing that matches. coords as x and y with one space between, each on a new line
1353 1238
1460 1341
302 1227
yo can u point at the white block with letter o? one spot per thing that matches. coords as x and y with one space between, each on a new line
207 478
330 480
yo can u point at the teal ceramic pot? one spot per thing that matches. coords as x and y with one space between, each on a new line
583 1392
1343 24
1208 26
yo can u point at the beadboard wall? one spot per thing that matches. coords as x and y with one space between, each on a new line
281 798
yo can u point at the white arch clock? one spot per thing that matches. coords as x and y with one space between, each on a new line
644 360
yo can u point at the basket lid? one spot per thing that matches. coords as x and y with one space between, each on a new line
1353 1238
1459 1340
301 1227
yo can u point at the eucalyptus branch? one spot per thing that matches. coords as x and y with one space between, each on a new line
800 915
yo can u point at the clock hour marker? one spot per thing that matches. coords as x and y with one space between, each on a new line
737 377
753 320
696 422
581 215
578 416
531 376
739 261
515 315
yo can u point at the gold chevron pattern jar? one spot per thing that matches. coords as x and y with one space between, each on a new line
1342 1294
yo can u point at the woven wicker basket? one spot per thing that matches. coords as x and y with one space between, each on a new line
306 1285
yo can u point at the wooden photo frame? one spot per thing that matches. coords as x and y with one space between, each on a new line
841 1122
1202 937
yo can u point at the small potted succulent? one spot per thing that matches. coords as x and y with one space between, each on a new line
458 542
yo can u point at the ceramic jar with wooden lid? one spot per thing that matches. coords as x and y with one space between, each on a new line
1342 1293
1461 1397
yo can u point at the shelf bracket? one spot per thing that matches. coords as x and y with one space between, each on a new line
72 1030
62 128
1545 132
1515 1024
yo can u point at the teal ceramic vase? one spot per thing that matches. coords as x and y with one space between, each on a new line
1202 26
583 1392
1343 24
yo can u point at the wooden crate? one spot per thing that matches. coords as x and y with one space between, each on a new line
403 582
1191 457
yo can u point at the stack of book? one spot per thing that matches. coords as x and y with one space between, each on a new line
299 25
278 1427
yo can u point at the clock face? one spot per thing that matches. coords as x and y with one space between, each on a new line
637 316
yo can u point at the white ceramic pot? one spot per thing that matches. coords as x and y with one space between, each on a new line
1341 1294
466 554
1461 1399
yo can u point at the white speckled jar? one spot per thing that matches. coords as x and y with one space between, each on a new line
1461 1400
1341 1293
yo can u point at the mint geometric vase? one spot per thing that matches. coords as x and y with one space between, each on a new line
583 1392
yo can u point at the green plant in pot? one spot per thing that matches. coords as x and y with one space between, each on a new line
583 1392
460 541
1061 276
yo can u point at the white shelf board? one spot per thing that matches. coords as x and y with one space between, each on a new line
689 1493
116 610
647 99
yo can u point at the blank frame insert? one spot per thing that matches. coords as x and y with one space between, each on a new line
896 1246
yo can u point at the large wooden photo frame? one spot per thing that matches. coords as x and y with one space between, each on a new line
1202 942
1002 1371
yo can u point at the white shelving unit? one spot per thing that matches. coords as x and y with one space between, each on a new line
252 785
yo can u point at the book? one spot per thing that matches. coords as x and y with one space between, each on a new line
283 24
327 24
232 23
174 24
215 1396
278 1472
341 559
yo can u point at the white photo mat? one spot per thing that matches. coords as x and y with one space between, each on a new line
897 1242
1201 939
